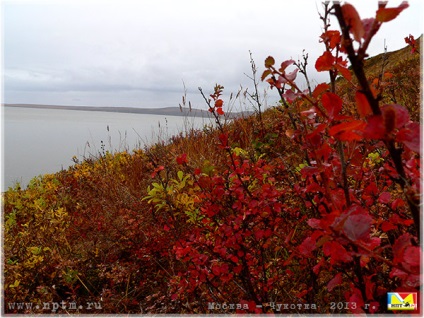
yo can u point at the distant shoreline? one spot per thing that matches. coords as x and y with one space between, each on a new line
170 111
167 111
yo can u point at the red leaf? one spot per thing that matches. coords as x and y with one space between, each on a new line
219 103
397 203
410 280
217 270
348 131
325 222
331 37
388 14
412 256
375 128
335 38
290 96
318 129
367 23
158 169
290 77
372 188
325 151
238 269
303 293
362 105
234 259
224 139
182 159
181 252
310 113
285 64
166 228
399 247
259 234
337 280
337 252
219 111
396 219
410 136
321 88
344 71
332 103
356 298
396 272
353 21
384 197
267 233
387 226
373 243
309 171
325 62
399 113
307 246
357 227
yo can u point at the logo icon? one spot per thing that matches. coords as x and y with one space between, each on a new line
401 301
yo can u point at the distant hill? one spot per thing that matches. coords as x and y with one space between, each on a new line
166 111
391 59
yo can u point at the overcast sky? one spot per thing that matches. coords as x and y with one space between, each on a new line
139 53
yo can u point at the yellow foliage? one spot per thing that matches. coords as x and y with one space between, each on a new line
179 196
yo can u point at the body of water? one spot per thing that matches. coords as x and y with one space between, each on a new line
40 141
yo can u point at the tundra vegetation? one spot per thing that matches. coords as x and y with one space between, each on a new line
313 202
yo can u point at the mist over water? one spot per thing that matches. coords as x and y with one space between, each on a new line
40 141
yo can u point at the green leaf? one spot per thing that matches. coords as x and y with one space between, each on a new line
180 175
15 284
157 185
35 250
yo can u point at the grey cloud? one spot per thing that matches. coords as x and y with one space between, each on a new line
139 53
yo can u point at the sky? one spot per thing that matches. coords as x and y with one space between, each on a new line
149 53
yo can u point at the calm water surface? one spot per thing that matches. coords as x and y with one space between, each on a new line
40 141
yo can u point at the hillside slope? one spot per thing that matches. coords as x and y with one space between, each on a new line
241 214
397 74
